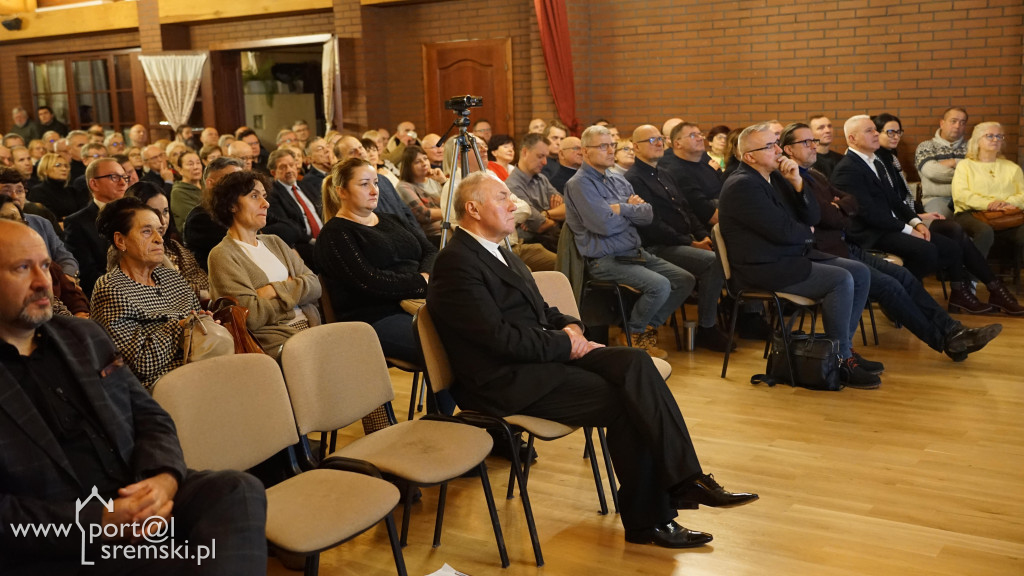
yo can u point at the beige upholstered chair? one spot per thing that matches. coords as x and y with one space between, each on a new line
233 412
740 295
511 427
336 374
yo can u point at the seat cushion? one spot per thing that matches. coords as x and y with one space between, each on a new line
319 509
422 451
540 427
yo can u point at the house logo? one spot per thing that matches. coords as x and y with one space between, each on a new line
108 505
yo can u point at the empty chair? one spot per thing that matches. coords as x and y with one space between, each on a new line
336 374
233 412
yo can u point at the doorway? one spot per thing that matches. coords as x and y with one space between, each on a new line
477 67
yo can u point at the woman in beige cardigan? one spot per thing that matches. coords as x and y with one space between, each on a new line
260 270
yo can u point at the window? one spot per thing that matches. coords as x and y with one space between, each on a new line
85 89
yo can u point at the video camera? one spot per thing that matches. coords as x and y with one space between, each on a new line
463 103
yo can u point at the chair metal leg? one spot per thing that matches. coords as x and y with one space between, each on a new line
863 333
407 512
625 316
874 329
441 499
493 511
312 565
423 394
608 467
334 441
732 334
412 394
589 446
323 446
513 444
524 495
529 461
675 328
396 547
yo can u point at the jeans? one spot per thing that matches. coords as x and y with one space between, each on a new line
663 286
704 265
905 300
842 286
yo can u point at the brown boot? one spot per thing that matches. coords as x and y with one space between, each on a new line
648 341
961 299
1001 298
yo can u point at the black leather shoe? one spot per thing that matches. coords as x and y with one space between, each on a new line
964 341
705 490
869 366
670 535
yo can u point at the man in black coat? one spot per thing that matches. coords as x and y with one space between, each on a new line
82 442
676 233
107 182
766 219
293 216
686 161
513 354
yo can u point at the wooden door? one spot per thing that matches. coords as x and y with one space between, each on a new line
228 102
477 67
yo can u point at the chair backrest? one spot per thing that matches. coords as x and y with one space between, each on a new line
325 301
557 291
232 412
435 357
723 255
336 374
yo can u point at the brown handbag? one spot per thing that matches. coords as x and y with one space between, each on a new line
232 316
1000 219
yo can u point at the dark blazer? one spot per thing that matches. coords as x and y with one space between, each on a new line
310 186
697 181
674 222
836 207
88 247
506 344
284 217
767 229
37 482
881 210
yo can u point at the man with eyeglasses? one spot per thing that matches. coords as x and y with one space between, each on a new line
936 161
242 151
603 213
821 127
107 182
766 223
687 162
90 153
676 234
293 216
570 158
901 296
155 168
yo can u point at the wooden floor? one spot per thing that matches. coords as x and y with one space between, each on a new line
922 476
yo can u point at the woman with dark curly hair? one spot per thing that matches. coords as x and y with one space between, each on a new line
143 305
259 270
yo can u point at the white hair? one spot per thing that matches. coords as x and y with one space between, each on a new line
849 125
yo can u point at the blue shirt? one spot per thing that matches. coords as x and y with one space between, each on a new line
599 231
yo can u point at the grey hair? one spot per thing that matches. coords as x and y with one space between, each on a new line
593 133
748 132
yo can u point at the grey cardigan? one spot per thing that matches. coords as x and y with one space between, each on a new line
233 273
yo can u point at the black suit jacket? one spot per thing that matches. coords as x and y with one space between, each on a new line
674 222
311 186
284 217
37 482
881 210
506 346
767 229
88 247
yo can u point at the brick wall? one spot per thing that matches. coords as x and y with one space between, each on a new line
395 79
204 35
740 62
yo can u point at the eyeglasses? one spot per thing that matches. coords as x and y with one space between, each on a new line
604 146
160 155
13 189
995 137
770 146
115 178
894 133
695 136
809 143
653 140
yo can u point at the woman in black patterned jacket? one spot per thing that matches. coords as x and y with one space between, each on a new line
142 304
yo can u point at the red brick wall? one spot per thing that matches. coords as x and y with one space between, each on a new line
740 62
204 35
395 78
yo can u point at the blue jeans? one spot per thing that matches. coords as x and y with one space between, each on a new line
704 265
842 286
663 286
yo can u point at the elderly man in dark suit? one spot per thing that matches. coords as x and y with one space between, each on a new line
107 182
293 216
766 219
513 354
77 427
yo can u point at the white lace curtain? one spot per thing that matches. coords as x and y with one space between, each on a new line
175 78
330 68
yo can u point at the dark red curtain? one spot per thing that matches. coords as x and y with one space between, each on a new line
553 22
